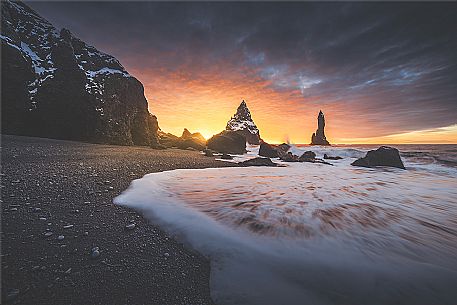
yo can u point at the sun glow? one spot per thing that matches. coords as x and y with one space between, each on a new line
444 135
204 102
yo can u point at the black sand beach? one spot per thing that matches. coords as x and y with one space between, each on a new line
67 188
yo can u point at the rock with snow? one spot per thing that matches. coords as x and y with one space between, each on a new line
60 87
383 156
243 124
318 138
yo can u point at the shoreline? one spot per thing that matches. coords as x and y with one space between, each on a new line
67 188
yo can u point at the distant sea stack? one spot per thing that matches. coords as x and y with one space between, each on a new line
55 85
318 138
243 124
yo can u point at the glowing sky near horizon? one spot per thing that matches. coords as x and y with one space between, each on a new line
381 72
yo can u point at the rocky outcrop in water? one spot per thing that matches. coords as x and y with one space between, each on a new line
287 156
57 86
310 156
318 138
273 151
383 156
227 141
243 124
267 150
332 157
307 156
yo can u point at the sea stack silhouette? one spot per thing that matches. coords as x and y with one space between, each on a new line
243 124
318 138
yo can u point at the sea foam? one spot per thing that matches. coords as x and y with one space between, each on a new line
313 233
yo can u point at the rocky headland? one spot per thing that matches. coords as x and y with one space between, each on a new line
60 87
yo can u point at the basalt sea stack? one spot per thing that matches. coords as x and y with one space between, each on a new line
243 124
318 138
57 86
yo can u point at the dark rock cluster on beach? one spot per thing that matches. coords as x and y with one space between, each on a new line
187 140
243 124
383 156
60 87
258 161
318 138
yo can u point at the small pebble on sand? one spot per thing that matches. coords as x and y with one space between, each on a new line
130 226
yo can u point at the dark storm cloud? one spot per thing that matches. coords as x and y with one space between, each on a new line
394 63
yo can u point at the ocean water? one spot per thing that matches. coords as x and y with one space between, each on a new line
317 234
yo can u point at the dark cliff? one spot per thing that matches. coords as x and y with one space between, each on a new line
55 85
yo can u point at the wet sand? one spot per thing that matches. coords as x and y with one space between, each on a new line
67 188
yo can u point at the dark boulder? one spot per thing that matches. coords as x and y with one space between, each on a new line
258 162
227 142
307 155
226 156
310 156
383 156
267 150
208 152
332 158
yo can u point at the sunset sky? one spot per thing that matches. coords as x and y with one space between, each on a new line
381 72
